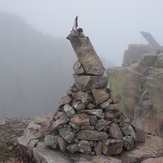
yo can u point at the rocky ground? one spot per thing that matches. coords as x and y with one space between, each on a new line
10 129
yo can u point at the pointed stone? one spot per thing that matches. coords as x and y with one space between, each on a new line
86 55
100 95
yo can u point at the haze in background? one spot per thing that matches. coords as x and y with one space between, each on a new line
37 71
111 25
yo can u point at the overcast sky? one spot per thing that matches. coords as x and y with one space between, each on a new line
111 24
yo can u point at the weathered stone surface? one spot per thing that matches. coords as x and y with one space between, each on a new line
140 134
148 60
81 96
92 135
80 120
62 144
85 147
109 115
58 123
159 61
65 100
153 160
115 97
86 55
100 95
129 131
85 83
101 123
98 148
112 147
73 148
67 135
78 68
93 120
128 142
90 106
87 128
97 112
115 131
112 107
69 110
80 106
51 141
47 156
105 104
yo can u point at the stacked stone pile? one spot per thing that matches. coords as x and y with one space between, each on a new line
88 119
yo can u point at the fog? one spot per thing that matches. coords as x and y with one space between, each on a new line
32 81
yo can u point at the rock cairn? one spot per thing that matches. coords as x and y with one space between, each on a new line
88 119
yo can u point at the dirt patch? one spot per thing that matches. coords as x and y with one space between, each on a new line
10 129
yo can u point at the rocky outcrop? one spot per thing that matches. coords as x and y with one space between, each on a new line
135 52
141 90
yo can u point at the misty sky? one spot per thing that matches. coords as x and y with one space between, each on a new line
111 24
